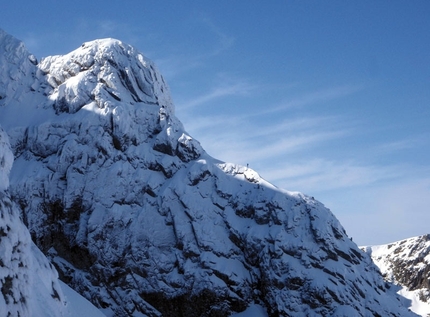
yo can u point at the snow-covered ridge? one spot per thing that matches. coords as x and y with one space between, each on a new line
141 221
16 67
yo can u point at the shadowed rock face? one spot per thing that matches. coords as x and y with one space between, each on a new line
28 282
139 219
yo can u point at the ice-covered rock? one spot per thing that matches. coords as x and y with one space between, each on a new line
141 221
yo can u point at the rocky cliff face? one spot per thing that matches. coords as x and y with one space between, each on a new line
141 221
407 263
29 283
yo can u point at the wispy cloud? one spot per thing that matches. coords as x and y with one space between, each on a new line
189 58
229 87
244 139
392 209
294 126
240 88
319 175
317 97
401 145
223 41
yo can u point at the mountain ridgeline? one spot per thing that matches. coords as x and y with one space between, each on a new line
140 220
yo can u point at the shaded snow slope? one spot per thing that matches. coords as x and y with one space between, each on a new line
141 221
29 283
76 305
6 160
407 264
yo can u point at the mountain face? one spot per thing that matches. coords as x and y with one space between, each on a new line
407 263
140 220
29 282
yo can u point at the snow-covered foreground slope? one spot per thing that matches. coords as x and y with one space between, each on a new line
407 264
76 305
142 222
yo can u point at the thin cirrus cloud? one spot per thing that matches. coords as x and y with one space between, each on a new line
392 206
319 175
401 145
239 140
223 41
269 154
239 88
317 97
245 138
248 125
295 126
242 87
194 57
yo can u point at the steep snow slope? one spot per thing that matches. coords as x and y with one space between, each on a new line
76 305
407 264
29 283
141 221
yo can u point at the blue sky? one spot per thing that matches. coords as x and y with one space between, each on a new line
330 98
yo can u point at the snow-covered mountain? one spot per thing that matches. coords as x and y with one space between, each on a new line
141 221
406 263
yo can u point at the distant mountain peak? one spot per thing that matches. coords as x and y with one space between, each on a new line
406 263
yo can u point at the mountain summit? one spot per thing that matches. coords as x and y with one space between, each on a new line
140 220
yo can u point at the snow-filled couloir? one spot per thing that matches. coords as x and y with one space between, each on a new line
140 220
